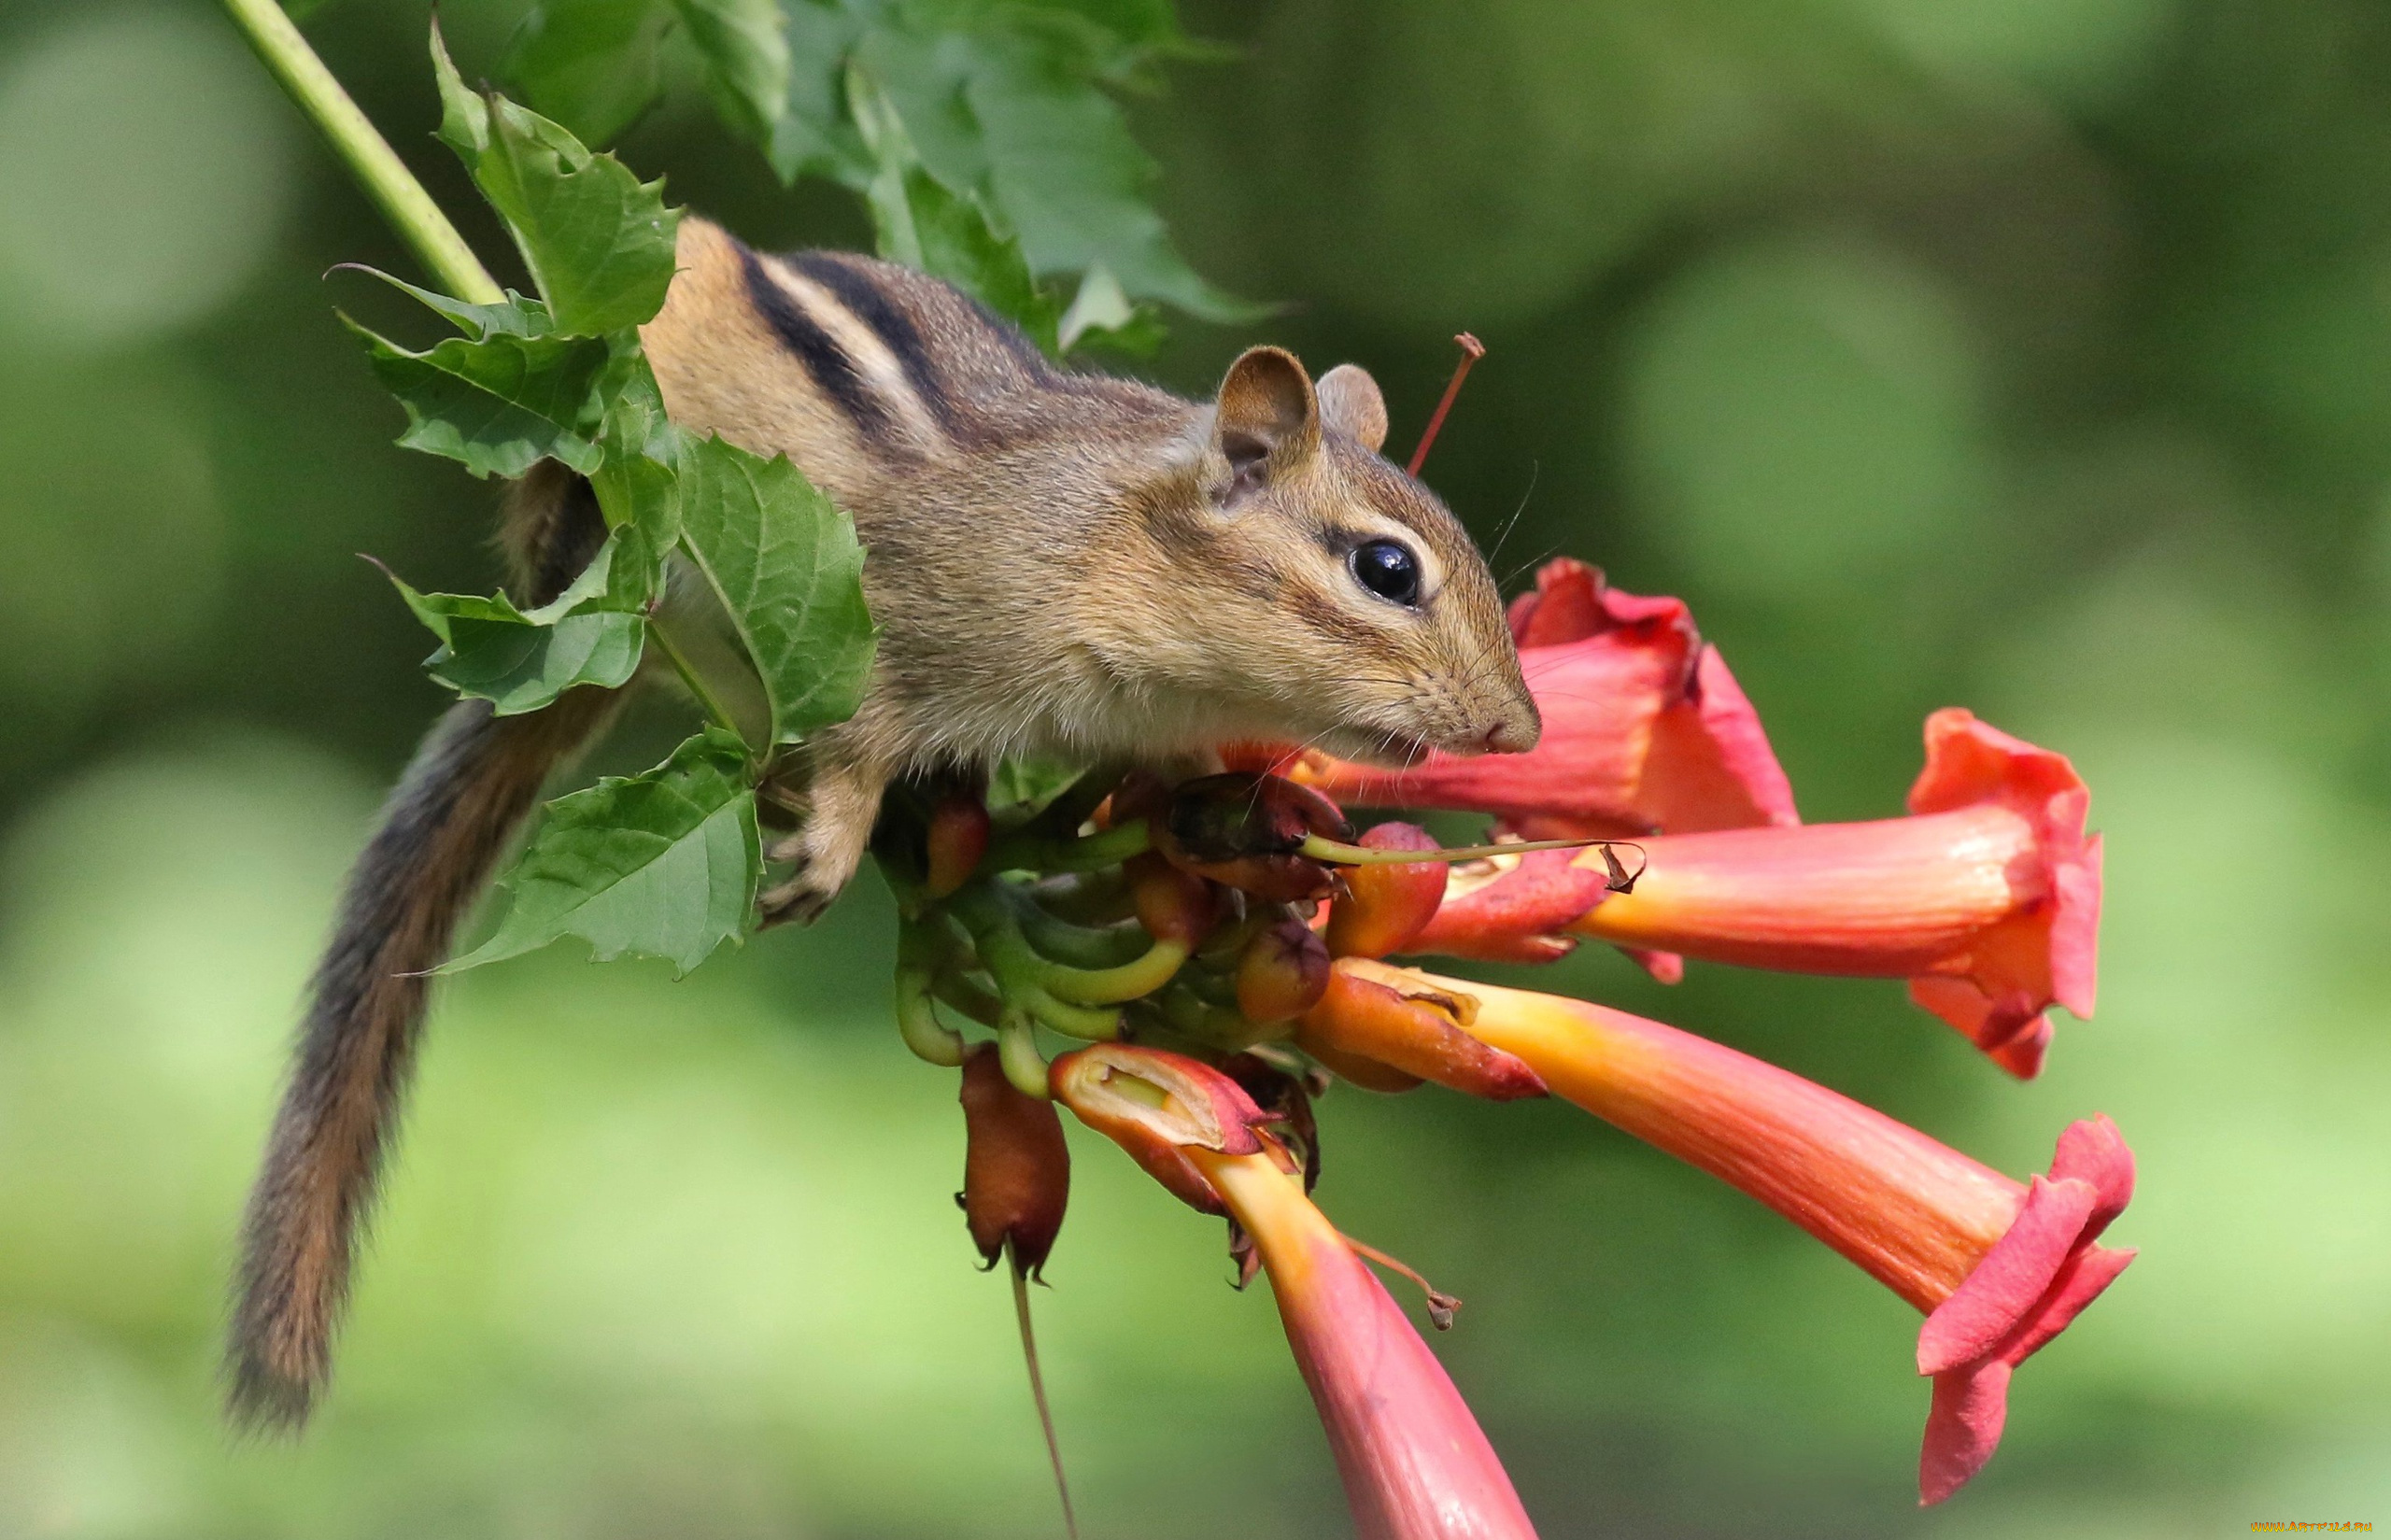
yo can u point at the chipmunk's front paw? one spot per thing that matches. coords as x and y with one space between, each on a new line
796 902
826 854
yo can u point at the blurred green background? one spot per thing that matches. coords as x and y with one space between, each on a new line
2033 355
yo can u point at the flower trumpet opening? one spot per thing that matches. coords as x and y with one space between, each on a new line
1644 728
1156 1105
1414 1463
1987 897
1999 1266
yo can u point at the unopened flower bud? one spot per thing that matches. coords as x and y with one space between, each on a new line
1383 908
1390 1014
1017 1168
958 836
1282 973
1172 905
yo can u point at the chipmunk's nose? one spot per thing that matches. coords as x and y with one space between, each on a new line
1516 732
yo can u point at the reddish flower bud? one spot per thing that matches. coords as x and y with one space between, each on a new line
1281 972
1172 905
1016 1170
1388 1015
1382 908
1153 1105
958 836
1243 830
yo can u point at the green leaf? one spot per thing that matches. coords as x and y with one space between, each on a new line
464 118
784 562
811 133
516 317
518 662
499 403
1023 786
922 225
1065 172
746 53
599 241
590 64
627 574
660 865
1101 316
1007 100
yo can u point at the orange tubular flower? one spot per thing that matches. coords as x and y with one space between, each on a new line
1644 728
1415 1464
2001 1267
1987 899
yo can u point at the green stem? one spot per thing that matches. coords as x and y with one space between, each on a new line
1336 853
1038 1389
1088 853
369 156
689 676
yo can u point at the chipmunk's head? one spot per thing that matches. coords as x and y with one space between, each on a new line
1340 604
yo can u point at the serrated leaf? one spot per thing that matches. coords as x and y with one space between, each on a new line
811 133
1006 99
517 317
1065 172
598 240
660 865
518 662
464 118
498 405
590 64
960 243
922 225
786 564
743 45
626 575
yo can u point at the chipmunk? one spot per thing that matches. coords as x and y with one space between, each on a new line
1057 562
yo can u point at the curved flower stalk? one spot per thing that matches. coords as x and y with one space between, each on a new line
1999 1266
1986 897
1644 728
1415 1464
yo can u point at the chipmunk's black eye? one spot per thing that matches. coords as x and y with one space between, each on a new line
1388 569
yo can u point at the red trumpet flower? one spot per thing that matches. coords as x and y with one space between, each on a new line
1415 1464
2000 1267
1644 728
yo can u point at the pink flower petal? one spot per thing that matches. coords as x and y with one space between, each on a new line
2005 1286
2094 1152
1962 1428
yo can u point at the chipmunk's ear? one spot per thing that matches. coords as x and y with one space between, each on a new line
1349 402
1268 420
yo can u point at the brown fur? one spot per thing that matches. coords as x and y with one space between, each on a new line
1058 563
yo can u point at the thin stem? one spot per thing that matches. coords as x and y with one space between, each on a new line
1038 1389
672 654
369 156
1471 351
1338 853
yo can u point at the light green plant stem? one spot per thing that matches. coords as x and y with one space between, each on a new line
369 156
706 699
